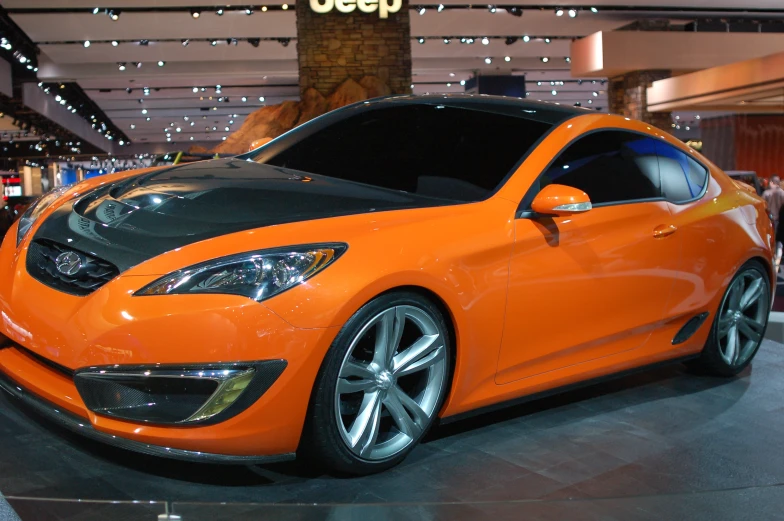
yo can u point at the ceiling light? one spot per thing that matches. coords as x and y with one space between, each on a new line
590 101
144 42
115 43
195 89
86 43
488 61
191 138
446 40
133 126
284 6
572 13
214 43
121 66
185 42
161 63
244 99
284 41
227 129
553 92
254 41
219 12
485 41
462 82
195 13
594 10
448 84
440 7
547 40
261 99
559 11
545 59
421 40
264 8
510 40
96 10
515 11
248 11
114 15
148 119
595 94
185 118
144 111
178 129
421 11
193 123
526 38
568 59
507 58
138 65
491 8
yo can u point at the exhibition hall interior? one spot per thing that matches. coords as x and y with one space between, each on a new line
390 260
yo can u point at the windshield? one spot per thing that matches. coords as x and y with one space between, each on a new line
449 152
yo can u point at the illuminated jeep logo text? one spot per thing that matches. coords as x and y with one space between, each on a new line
366 6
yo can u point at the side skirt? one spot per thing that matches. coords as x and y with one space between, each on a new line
563 389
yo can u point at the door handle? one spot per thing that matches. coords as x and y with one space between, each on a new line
664 230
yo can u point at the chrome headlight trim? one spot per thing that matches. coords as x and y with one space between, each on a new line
259 274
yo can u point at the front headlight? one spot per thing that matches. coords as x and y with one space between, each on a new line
35 210
258 275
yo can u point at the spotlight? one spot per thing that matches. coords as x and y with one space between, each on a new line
86 43
510 40
559 12
421 40
447 40
515 11
227 129
219 12
440 7
244 99
553 92
462 82
491 8
233 41
594 10
261 99
526 38
284 6
421 11
195 89
195 13
185 42
568 60
138 65
133 126
547 40
148 119
144 111
572 13
161 63
488 61
115 43
254 41
121 66
595 94
263 8
114 15
145 43
285 41
214 43
545 59
217 89
507 59
248 11
128 90
485 41
96 10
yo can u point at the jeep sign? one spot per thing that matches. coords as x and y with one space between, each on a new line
366 6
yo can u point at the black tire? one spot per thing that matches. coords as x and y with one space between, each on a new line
711 360
321 439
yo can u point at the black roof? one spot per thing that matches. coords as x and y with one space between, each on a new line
520 107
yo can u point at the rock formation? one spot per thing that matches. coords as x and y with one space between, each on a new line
273 120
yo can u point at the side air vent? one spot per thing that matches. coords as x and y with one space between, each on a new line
689 328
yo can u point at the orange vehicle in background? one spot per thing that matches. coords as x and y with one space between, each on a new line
392 263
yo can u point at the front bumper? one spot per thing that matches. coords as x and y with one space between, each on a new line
78 425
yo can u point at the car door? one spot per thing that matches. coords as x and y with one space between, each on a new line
593 284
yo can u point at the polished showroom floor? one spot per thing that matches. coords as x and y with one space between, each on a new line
664 444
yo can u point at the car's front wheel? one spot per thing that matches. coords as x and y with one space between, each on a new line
381 385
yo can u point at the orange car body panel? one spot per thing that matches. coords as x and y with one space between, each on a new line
535 304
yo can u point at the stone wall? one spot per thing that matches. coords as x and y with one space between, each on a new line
333 47
628 96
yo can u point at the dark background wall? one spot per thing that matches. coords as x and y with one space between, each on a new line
745 142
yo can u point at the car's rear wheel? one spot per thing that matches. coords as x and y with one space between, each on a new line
739 326
381 385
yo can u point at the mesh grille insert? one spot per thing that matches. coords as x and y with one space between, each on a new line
42 266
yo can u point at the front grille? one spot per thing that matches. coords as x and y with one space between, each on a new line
93 274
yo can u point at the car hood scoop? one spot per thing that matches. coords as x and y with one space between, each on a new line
144 216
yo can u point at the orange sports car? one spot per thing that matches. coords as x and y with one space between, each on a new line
337 291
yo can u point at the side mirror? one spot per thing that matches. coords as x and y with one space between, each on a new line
560 200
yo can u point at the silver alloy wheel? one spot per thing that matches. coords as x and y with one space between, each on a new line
742 317
390 382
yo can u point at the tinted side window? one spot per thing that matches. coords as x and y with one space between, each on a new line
682 177
609 166
432 150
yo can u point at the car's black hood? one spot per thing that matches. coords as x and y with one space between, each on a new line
140 217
